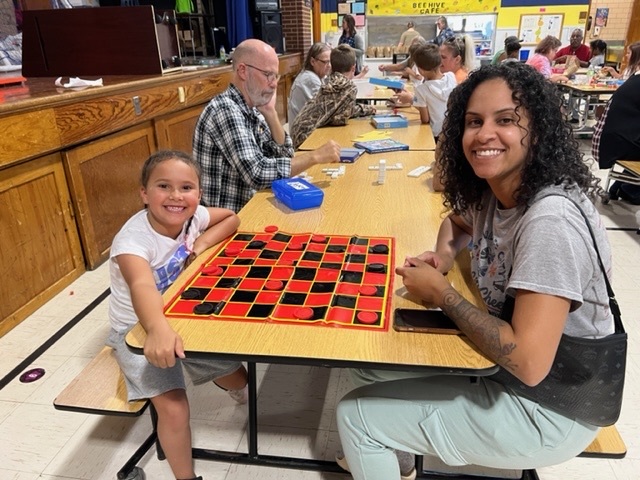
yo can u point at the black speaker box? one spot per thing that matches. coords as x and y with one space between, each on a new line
267 26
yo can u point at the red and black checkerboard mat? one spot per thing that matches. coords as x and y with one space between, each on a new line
300 278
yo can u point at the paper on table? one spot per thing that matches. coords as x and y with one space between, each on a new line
373 135
75 82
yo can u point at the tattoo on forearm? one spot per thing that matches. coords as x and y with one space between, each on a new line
483 329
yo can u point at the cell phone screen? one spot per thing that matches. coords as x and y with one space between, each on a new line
425 321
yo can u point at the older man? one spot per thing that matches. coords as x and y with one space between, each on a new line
575 47
444 31
239 141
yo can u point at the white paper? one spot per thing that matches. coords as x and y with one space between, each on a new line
75 82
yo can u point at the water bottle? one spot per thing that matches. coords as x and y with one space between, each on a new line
223 54
590 75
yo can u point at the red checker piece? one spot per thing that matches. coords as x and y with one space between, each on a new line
368 290
304 313
318 238
367 317
213 270
232 251
274 285
271 228
296 246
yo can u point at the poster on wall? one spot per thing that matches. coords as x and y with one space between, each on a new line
533 28
406 7
356 8
602 16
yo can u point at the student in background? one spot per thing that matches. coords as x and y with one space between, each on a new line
431 95
633 63
317 65
458 56
500 55
406 68
512 51
239 141
147 255
598 52
335 102
575 47
541 60
617 135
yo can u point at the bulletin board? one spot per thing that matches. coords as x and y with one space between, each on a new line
355 8
533 28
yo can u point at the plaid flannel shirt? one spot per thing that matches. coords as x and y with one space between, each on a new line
236 151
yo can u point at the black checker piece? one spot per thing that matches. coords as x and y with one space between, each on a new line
195 293
377 268
379 248
336 249
205 308
228 283
256 245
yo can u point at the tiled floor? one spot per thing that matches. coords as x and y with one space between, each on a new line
297 404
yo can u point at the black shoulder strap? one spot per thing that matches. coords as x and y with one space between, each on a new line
613 303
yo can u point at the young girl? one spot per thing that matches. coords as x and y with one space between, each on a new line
147 255
505 147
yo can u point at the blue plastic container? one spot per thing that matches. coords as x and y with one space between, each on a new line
297 194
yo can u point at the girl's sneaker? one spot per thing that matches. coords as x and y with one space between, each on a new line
241 396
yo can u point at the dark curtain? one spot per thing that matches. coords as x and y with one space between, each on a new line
238 21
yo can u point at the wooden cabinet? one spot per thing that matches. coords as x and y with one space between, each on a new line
65 151
104 177
175 131
40 252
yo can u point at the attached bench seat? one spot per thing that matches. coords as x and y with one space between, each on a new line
100 389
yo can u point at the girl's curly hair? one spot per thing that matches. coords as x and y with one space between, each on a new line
553 157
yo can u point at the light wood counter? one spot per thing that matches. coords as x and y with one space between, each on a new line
403 207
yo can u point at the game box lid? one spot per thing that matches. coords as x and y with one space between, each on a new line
350 155
389 121
386 82
297 193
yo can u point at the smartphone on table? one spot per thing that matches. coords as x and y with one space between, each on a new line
423 321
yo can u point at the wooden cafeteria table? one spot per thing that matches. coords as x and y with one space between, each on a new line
417 135
583 94
354 204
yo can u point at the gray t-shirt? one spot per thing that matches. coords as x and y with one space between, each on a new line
304 88
548 250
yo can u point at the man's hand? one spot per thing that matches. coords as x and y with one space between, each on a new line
328 153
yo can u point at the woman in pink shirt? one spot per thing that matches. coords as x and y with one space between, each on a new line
541 60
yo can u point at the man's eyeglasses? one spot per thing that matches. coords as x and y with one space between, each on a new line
271 76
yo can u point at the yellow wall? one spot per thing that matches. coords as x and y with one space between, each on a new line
509 17
430 7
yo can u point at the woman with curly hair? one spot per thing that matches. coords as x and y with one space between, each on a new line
506 147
